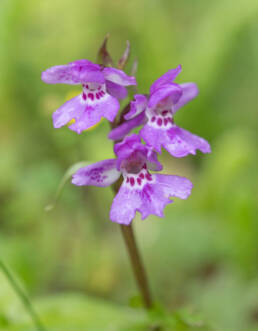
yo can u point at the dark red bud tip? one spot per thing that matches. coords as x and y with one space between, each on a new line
104 57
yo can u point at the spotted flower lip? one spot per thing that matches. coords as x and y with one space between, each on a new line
102 87
140 190
156 114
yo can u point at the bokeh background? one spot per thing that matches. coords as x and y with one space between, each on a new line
201 258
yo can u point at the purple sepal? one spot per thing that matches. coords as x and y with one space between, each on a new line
103 173
74 73
118 77
190 91
137 106
167 78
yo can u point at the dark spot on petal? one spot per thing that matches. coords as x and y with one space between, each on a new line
159 122
139 181
148 177
153 119
84 96
91 96
132 181
141 175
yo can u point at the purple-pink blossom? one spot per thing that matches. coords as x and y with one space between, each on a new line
156 114
101 89
142 191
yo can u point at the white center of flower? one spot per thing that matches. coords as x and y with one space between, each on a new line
138 180
93 92
160 118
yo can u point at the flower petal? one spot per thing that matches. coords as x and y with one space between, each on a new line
107 107
73 73
137 106
63 74
103 173
178 142
151 199
119 77
72 109
172 91
154 137
182 143
122 130
167 78
190 91
117 91
174 186
124 205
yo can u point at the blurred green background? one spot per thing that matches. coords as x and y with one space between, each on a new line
203 256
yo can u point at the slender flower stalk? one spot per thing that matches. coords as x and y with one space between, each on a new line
137 265
23 297
135 258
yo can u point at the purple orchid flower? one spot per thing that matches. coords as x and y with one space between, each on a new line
156 114
101 89
141 190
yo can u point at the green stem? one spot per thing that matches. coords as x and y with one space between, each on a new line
23 297
138 268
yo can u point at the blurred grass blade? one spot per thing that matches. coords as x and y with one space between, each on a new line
70 171
103 54
125 57
23 297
